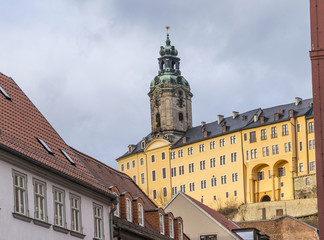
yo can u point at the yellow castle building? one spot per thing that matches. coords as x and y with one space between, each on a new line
260 155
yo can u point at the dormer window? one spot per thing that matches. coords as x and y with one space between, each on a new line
128 210
161 219
171 229
116 213
140 215
143 144
5 93
45 146
180 231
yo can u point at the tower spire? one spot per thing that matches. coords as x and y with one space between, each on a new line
168 42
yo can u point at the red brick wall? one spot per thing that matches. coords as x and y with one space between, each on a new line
283 228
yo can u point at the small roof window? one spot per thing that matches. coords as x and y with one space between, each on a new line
68 157
45 146
5 93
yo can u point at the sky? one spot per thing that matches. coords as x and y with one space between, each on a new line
87 64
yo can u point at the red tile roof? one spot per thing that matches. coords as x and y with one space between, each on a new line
216 215
111 177
21 125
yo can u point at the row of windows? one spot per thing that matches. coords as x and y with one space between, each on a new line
203 184
40 205
311 166
153 159
281 173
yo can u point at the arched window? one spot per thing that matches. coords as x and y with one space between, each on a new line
180 116
116 213
161 223
140 215
128 210
171 227
180 231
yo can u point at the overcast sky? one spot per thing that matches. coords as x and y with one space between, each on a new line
87 64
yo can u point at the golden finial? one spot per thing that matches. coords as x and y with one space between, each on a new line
167 28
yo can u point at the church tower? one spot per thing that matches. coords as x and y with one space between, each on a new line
170 97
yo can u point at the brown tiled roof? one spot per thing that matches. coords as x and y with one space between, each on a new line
22 123
111 177
216 215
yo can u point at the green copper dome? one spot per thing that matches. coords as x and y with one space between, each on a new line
169 75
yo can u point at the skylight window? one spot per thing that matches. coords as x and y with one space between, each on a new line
45 146
5 93
68 157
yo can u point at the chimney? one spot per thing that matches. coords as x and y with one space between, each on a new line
205 134
184 139
276 116
235 114
243 117
203 129
262 119
220 118
203 123
297 100
282 111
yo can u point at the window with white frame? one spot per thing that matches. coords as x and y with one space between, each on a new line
154 194
40 200
183 188
203 184
233 157
312 166
212 145
288 147
213 162
180 153
153 175
222 142
152 158
173 172
134 178
201 147
275 149
202 165
284 129
165 192
233 139
173 155
300 146
269 174
161 220
190 150
181 170
263 134
273 132
174 190
163 155
247 156
192 186
226 194
140 214
191 167
128 166
20 188
98 221
75 213
252 136
116 212
282 195
281 171
128 210
235 193
265 151
223 179
59 207
133 164
222 160
254 153
213 181
301 167
260 175
298 127
310 127
163 173
234 177
171 229
311 144
214 197
307 181
122 167
142 178
180 231
142 161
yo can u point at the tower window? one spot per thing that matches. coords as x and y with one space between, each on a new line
162 65
180 116
157 122
172 64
